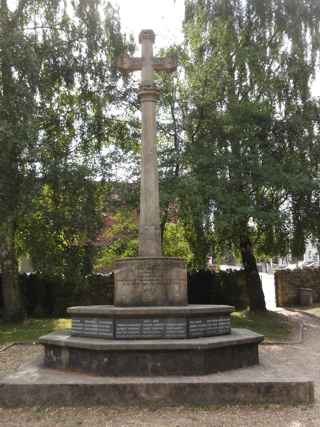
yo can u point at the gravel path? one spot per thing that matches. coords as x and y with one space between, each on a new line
301 360
13 357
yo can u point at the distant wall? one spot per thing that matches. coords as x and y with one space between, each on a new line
288 282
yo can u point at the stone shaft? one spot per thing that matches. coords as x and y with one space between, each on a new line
149 227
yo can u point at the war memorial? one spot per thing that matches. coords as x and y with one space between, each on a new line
151 346
151 330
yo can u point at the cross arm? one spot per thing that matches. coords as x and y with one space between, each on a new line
127 64
168 64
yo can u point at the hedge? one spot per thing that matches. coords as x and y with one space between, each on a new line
50 296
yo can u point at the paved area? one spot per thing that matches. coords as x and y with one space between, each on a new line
298 360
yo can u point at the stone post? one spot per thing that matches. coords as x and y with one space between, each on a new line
149 229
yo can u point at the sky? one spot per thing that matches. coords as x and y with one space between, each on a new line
164 17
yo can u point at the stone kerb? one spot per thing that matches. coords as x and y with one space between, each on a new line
156 281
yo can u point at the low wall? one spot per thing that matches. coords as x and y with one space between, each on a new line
288 282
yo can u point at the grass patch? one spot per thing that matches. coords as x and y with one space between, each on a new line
274 326
31 329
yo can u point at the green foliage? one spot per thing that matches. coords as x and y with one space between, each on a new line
59 94
175 243
252 124
274 326
30 330
121 239
244 133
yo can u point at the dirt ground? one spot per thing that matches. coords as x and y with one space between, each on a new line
173 417
301 359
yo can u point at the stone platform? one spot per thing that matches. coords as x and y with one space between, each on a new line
123 323
161 357
33 385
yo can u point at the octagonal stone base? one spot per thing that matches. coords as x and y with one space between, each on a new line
198 356
150 281
121 323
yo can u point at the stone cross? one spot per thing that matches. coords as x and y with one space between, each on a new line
149 227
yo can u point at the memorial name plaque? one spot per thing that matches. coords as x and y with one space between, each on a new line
209 327
176 328
151 328
92 327
128 328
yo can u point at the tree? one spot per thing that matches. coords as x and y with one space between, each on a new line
250 119
120 238
181 209
59 89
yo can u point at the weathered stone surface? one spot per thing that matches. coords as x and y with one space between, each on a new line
149 227
109 311
288 282
80 392
146 363
152 357
33 385
143 281
238 336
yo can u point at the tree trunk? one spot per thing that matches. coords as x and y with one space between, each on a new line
12 309
253 281
8 255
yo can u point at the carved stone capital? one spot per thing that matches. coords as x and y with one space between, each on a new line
147 35
149 92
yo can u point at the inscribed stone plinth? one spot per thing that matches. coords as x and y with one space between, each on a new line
150 282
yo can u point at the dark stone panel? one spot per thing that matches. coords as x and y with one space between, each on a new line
152 363
92 327
151 327
208 327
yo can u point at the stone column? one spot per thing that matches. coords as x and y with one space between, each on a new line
149 229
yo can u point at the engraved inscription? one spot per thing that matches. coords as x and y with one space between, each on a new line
128 328
151 328
209 327
101 328
176 328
